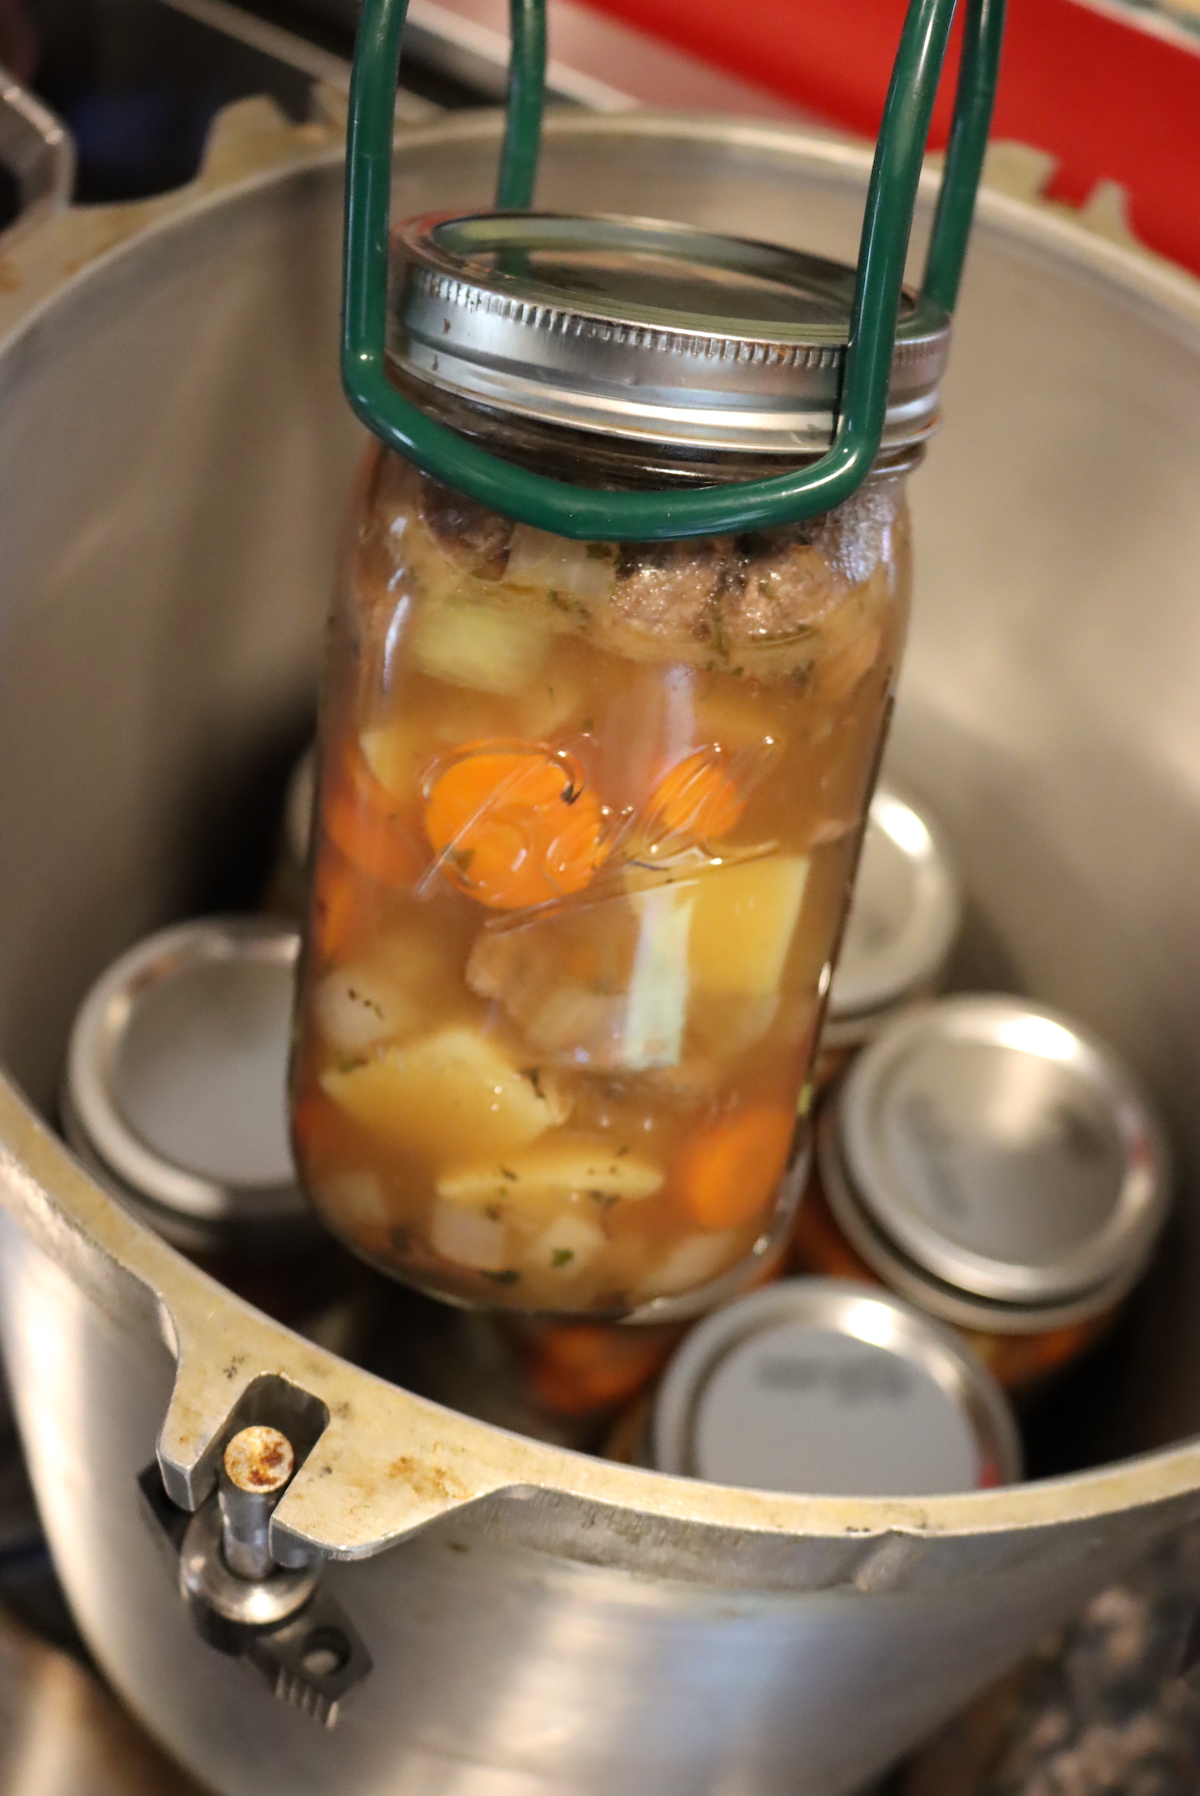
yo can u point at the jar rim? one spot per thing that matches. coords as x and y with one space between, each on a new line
565 320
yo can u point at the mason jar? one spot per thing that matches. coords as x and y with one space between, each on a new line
900 931
826 1387
174 1097
997 1167
588 812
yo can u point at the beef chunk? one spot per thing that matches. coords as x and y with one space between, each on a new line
470 535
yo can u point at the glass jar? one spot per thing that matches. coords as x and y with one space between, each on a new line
588 813
901 929
824 1387
174 1098
286 891
999 1169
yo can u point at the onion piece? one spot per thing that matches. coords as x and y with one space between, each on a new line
568 1244
469 1237
355 1200
583 571
358 1006
691 1262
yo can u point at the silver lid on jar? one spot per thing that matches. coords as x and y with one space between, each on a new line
904 919
298 803
996 1147
824 1387
637 328
176 1080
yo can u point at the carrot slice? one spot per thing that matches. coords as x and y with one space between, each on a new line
513 824
318 1135
344 910
697 799
378 835
576 1367
725 1174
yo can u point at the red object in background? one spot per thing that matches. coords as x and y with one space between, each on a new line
1112 96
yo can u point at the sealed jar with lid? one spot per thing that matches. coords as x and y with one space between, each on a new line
901 929
175 1097
998 1167
825 1387
588 812
286 891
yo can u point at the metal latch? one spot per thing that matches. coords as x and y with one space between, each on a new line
243 1602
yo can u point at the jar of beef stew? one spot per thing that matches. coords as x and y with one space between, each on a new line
997 1167
588 812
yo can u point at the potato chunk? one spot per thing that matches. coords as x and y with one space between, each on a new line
395 753
450 1093
553 1177
483 647
742 924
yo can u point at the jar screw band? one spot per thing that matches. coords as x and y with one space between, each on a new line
583 513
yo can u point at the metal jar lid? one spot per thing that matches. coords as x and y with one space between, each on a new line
643 329
298 803
176 1081
903 923
825 1387
996 1147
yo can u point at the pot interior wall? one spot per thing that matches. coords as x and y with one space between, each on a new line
174 457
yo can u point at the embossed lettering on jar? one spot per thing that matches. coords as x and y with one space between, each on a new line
588 815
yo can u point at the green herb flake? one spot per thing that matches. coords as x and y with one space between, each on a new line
510 1276
358 997
506 1172
562 1256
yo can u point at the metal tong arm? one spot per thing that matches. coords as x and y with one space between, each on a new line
584 513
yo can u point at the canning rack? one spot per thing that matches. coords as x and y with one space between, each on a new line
584 513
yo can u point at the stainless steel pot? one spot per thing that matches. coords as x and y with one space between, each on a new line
173 458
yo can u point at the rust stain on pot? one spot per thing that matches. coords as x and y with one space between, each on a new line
260 1460
428 1483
